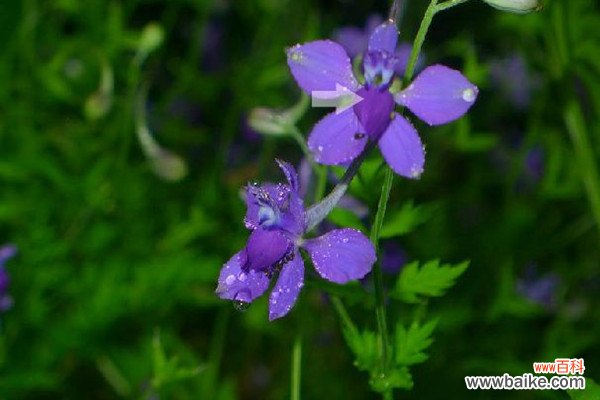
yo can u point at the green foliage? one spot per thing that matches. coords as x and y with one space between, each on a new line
111 252
365 348
405 219
429 280
346 218
412 342
591 391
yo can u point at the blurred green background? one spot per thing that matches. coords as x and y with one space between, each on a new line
120 242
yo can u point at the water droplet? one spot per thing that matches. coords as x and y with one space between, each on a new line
242 277
240 305
345 240
320 148
230 279
296 54
468 95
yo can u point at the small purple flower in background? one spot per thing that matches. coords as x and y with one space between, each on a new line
6 252
540 289
437 96
393 257
533 168
277 220
512 78
355 41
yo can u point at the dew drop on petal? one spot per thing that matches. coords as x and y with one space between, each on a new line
229 280
468 95
242 277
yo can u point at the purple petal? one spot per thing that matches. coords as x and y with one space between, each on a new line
384 38
337 138
354 40
402 54
287 288
251 220
266 248
293 219
320 65
438 95
305 177
235 284
402 148
374 110
373 22
341 255
290 174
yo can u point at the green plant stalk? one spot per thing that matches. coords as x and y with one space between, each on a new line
296 368
380 311
216 354
343 314
432 9
578 132
377 276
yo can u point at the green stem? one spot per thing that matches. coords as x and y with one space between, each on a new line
419 39
296 368
299 138
380 311
583 148
216 352
377 276
343 314
448 4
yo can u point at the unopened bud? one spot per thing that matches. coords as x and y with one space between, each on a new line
151 38
515 6
268 122
97 105
168 166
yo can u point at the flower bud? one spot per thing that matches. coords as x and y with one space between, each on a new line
515 6
151 38
268 122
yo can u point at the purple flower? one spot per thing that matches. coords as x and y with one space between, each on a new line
393 258
511 77
540 289
277 220
438 95
6 252
356 41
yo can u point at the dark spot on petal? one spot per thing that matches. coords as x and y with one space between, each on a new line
359 136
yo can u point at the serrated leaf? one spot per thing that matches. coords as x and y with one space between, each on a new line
411 342
405 219
397 378
431 280
591 391
364 347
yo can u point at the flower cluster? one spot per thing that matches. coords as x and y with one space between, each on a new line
437 96
276 218
276 215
